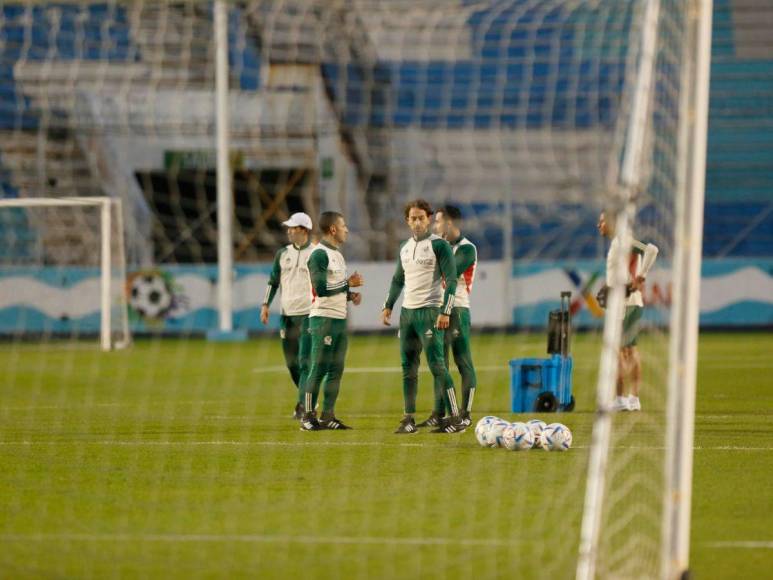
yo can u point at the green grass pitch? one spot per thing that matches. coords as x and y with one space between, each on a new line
179 459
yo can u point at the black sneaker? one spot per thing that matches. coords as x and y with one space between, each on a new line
465 418
298 412
309 423
450 425
407 426
330 422
432 421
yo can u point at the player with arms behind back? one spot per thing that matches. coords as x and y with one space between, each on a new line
448 222
424 261
290 273
640 258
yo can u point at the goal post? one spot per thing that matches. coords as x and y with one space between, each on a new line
107 246
673 424
687 273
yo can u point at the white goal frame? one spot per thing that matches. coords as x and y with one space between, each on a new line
105 205
688 244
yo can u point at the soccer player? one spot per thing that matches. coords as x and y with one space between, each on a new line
448 222
290 273
425 259
640 258
327 322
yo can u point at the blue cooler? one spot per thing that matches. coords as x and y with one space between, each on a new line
541 385
544 385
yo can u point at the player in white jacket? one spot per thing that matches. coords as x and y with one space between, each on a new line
640 258
290 272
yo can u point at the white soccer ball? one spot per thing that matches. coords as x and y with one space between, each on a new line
150 296
517 437
495 431
556 437
481 429
537 426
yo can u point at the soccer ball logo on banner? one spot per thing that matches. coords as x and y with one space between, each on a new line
151 295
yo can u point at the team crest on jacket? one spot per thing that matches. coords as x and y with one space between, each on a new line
282 333
328 340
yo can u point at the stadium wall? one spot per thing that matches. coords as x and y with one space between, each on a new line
736 292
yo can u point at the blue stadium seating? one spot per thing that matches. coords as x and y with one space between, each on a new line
66 32
437 95
77 32
243 59
740 141
493 83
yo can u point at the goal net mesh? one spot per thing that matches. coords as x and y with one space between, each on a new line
178 456
55 275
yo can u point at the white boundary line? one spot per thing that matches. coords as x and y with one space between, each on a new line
376 370
339 540
234 443
119 443
263 539
751 545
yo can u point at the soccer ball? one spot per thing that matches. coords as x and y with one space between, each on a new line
495 431
537 426
517 437
556 437
482 427
150 296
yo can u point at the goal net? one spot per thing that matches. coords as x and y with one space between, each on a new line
63 270
531 116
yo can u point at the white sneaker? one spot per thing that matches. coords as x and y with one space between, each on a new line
634 404
621 404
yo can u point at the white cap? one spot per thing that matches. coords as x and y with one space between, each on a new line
299 219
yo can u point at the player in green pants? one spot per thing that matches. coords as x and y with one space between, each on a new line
290 273
448 221
327 322
424 261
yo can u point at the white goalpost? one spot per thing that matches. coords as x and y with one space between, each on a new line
113 329
679 408
687 274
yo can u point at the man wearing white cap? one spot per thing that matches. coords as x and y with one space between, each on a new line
290 272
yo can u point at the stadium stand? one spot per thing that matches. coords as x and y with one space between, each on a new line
739 180
376 87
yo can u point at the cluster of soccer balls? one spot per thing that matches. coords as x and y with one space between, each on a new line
492 431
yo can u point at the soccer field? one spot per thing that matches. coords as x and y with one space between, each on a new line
179 459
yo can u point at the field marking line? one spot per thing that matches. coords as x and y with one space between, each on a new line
339 540
263 539
372 370
119 443
751 545
143 402
234 443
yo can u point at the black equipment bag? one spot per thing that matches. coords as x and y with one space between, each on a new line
559 327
